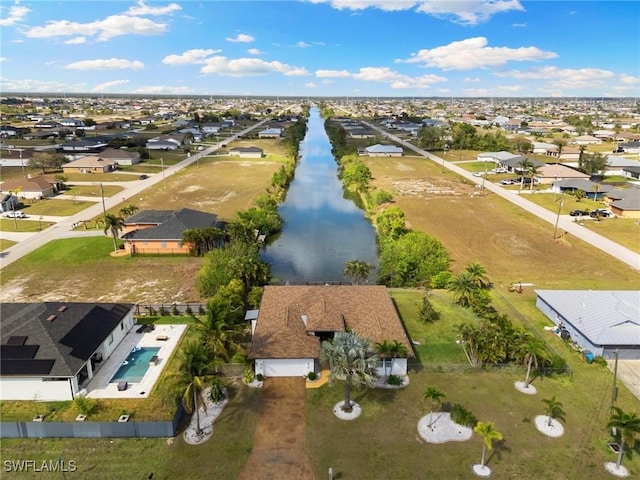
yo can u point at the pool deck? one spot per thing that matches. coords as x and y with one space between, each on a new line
99 386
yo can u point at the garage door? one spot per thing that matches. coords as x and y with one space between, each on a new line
288 367
623 353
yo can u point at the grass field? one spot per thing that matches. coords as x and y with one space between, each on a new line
22 225
92 190
57 207
4 244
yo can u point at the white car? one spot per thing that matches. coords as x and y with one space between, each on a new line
14 215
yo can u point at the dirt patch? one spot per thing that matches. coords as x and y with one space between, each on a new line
426 188
278 446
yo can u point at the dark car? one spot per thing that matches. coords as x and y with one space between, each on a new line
143 177
578 213
601 213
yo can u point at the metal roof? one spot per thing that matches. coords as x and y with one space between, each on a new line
605 317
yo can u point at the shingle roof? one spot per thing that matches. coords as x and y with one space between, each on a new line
281 331
378 148
170 224
64 343
605 317
630 199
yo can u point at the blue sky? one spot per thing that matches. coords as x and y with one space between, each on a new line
405 48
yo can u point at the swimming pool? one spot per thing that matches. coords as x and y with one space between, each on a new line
136 365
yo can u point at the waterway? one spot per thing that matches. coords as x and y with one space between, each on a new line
322 230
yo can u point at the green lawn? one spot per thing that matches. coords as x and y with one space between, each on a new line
100 177
92 190
56 207
4 244
22 225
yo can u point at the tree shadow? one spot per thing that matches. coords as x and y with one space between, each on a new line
499 447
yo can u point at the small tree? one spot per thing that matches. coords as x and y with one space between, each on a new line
629 426
434 395
488 433
428 314
84 404
357 271
554 409
113 224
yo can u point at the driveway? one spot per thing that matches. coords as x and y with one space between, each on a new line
278 446
629 374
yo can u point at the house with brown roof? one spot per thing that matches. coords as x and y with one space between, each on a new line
120 156
37 187
553 172
90 164
293 321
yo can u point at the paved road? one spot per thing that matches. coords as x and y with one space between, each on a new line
63 228
614 249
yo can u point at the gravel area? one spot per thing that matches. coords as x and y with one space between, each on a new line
437 427
208 416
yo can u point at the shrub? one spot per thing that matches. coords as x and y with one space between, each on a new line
174 311
248 375
312 376
394 380
600 360
84 404
162 311
201 310
441 280
427 312
188 310
462 416
259 377
217 391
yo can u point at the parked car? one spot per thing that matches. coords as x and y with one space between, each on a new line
579 213
17 214
143 177
601 212
506 181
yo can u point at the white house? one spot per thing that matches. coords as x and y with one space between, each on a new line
50 350
496 157
247 152
288 329
601 321
379 150
270 133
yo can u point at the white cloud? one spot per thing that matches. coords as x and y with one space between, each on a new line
466 12
76 41
383 75
302 44
254 51
471 79
474 53
112 26
2 59
189 57
17 13
519 25
495 91
30 85
106 64
163 89
102 87
572 79
241 38
310 85
143 9
244 67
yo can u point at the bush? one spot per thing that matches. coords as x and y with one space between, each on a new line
174 311
600 360
162 311
248 375
83 404
188 310
259 377
394 380
462 416
441 280
427 312
312 376
217 391
201 310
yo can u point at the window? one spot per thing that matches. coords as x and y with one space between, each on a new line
121 325
163 244
111 338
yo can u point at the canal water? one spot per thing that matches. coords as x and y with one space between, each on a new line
322 230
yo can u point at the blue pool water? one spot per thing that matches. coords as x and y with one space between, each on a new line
135 366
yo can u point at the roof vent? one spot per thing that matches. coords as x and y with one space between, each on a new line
51 318
304 320
62 308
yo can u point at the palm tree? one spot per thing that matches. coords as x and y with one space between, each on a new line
488 433
524 165
530 350
478 274
629 426
434 395
357 270
384 351
554 409
398 350
217 332
128 210
114 224
560 143
195 360
533 171
463 288
352 357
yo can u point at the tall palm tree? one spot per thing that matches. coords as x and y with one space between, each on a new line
628 424
532 171
218 333
554 409
114 224
488 433
524 165
463 288
357 270
195 360
560 143
478 274
352 357
434 395
530 351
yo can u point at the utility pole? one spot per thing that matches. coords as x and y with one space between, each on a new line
614 389
104 208
164 180
555 230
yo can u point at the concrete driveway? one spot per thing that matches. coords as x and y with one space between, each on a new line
629 374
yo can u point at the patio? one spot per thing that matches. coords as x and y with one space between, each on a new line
165 337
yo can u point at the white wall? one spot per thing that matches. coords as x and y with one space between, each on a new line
34 389
108 347
399 367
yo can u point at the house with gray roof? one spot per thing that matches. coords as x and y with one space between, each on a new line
379 150
247 152
50 350
160 231
496 157
600 321
625 202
